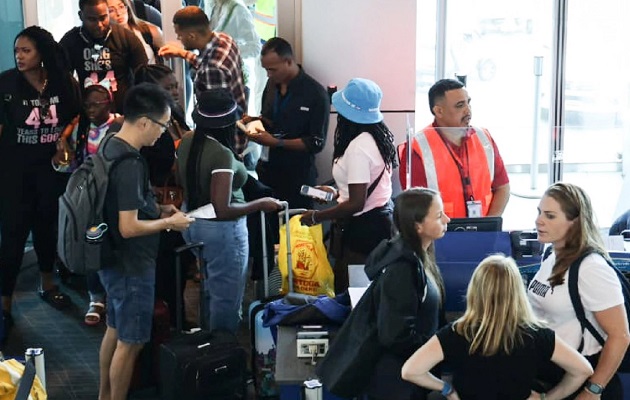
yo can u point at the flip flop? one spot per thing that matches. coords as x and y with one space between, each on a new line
94 313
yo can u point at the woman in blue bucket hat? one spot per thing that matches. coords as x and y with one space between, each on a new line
363 158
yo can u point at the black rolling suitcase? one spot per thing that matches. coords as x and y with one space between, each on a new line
201 365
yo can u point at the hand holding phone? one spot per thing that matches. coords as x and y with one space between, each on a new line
318 194
252 127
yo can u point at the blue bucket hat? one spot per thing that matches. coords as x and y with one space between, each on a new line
359 101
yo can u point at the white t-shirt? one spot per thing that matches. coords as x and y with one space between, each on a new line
599 290
147 48
362 163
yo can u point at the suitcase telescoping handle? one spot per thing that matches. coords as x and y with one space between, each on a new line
286 216
179 309
283 215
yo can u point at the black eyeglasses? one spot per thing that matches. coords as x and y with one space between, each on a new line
165 126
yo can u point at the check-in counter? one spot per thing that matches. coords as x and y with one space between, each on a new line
458 254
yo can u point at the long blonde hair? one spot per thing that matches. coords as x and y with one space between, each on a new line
497 308
583 235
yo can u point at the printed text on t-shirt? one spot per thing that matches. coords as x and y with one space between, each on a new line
539 288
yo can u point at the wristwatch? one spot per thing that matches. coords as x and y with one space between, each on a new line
593 387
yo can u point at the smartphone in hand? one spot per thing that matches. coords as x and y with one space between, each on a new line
310 191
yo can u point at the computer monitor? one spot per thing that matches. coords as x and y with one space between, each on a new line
485 224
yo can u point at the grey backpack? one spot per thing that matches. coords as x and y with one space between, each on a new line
82 226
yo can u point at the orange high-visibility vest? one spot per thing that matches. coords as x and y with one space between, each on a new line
442 172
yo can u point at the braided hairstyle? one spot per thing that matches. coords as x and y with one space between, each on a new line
347 131
52 54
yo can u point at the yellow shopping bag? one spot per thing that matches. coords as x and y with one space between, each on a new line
10 374
312 273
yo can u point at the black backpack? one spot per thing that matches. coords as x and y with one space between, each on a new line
579 308
82 226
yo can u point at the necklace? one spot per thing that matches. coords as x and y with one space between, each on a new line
44 86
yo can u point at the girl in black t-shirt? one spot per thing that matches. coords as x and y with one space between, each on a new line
496 348
39 98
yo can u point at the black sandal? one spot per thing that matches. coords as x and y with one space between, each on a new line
55 298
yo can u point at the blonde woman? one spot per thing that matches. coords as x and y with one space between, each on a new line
497 347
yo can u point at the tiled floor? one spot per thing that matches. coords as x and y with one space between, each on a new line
70 347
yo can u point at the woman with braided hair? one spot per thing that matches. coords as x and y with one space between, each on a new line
39 98
363 159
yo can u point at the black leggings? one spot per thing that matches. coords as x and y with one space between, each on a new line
29 204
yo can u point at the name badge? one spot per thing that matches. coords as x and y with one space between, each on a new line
474 208
304 108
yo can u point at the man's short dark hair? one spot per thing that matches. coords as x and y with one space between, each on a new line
92 3
438 90
146 99
278 45
191 17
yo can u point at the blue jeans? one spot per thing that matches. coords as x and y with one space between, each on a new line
225 253
130 302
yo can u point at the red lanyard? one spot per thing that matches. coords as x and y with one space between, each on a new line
462 167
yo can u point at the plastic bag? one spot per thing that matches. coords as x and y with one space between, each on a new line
10 374
312 273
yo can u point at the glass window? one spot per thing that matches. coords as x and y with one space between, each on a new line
11 23
597 92
496 46
58 16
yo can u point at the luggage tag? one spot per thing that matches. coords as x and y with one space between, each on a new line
474 208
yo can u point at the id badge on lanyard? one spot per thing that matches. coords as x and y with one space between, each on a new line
473 208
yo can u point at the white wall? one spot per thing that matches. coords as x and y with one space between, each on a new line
370 39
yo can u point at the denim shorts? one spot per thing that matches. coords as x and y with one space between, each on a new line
130 302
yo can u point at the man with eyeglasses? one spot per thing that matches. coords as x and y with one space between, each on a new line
130 251
101 52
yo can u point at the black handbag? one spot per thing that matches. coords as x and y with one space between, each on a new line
349 363
351 231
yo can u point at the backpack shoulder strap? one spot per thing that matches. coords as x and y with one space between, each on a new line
375 183
576 300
